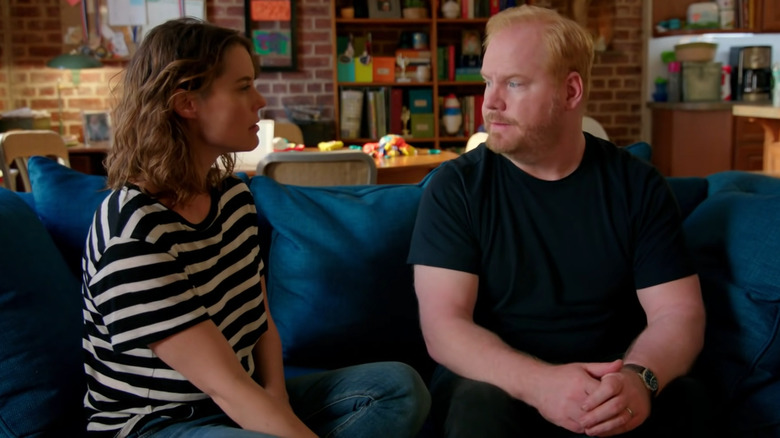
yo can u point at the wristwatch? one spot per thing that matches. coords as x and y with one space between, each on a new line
647 376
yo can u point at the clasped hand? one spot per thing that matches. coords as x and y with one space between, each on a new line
593 398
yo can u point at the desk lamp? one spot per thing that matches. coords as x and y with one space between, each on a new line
74 62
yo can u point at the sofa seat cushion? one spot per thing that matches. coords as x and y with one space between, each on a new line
734 236
41 370
340 290
66 201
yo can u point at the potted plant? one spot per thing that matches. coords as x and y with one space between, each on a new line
415 9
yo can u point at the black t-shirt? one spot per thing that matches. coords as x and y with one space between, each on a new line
559 262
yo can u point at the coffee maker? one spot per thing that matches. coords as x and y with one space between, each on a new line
751 73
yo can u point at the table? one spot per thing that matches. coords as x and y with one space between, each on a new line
409 169
88 160
769 118
396 170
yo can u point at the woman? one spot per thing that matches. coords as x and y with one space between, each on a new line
179 339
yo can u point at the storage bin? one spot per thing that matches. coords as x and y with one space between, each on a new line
701 81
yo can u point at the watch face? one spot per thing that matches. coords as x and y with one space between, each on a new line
650 381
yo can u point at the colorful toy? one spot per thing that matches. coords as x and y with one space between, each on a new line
390 145
330 145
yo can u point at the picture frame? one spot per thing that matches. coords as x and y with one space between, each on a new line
271 26
97 128
384 8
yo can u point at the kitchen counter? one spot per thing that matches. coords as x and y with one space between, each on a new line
769 118
719 105
763 111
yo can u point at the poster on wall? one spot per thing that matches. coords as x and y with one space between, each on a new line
270 24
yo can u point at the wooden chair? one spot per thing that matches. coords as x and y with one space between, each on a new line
592 126
475 140
290 131
18 146
332 168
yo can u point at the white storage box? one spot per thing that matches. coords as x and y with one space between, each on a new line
704 15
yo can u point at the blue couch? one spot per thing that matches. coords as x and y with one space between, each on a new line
341 292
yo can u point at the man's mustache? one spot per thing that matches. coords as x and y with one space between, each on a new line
494 118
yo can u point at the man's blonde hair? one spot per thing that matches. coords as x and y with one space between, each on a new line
569 45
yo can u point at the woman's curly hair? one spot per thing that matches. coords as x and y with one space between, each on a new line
150 144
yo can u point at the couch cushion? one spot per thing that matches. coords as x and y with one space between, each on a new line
689 192
339 288
734 236
641 149
41 371
66 201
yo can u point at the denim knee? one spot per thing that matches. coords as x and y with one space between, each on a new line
407 391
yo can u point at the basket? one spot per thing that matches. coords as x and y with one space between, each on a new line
695 52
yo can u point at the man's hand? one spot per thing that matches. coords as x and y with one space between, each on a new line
619 404
564 389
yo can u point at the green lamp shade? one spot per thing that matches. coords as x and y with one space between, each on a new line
74 62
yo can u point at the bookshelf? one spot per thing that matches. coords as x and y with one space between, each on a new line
387 36
749 16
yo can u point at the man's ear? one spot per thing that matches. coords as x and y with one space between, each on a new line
184 104
574 90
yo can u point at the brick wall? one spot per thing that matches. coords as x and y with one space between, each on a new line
616 93
30 33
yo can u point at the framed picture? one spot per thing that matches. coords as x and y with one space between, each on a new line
270 24
384 8
97 128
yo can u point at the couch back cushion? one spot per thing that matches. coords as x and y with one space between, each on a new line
66 201
734 236
340 290
41 370
689 192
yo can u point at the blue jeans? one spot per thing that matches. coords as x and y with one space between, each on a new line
385 399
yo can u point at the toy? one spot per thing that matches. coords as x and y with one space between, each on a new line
330 145
390 145
280 143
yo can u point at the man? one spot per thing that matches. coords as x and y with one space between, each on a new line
554 287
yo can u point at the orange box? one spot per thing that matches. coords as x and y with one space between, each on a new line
384 69
415 56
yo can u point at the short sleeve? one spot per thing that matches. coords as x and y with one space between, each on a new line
661 253
143 294
443 233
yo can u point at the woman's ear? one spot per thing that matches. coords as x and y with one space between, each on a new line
184 104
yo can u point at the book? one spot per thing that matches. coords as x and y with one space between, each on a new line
441 62
451 62
371 113
396 106
479 121
495 7
351 112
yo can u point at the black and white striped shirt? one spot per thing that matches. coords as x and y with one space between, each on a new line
148 274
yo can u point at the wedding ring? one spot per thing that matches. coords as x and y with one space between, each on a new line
630 412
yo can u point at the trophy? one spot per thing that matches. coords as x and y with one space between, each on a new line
405 115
